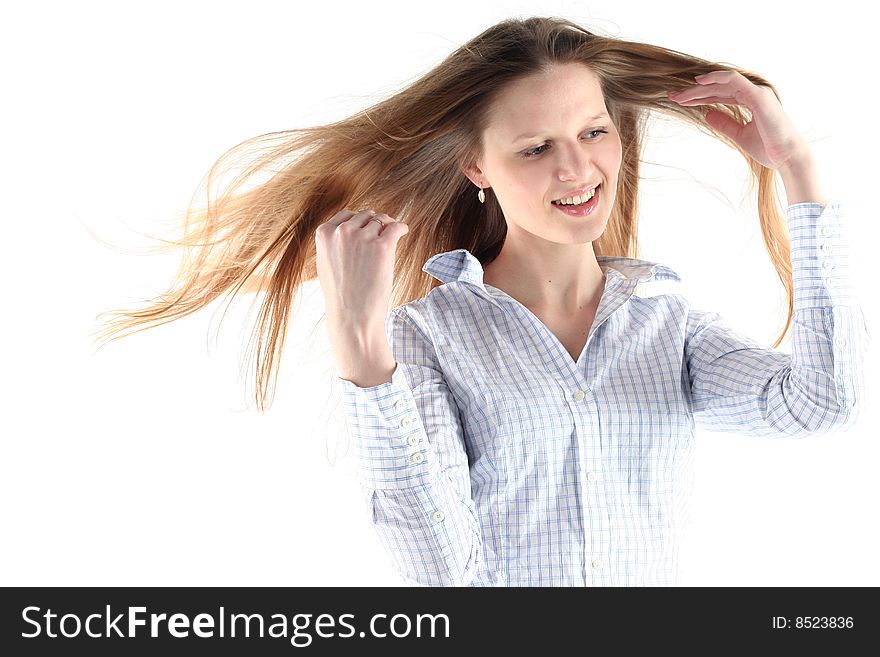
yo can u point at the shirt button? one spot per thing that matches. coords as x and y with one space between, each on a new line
840 342
400 405
418 457
438 516
597 564
592 476
579 394
828 264
413 440
825 247
827 231
405 422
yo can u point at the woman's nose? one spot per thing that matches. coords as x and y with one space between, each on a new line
573 163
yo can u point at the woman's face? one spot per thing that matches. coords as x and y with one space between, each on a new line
543 142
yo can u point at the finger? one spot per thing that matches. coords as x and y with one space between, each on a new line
708 100
394 230
690 93
346 215
721 75
371 225
732 97
726 125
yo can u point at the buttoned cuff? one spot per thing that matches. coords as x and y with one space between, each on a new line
390 444
820 256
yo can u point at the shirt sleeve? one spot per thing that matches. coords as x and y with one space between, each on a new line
412 465
739 387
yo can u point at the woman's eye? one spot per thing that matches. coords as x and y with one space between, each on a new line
534 152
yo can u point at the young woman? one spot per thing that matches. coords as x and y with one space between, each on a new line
521 388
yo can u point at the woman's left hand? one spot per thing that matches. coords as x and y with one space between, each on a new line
770 138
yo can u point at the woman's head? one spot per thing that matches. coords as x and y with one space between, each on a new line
549 135
420 155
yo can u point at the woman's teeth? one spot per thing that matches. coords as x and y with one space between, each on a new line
577 200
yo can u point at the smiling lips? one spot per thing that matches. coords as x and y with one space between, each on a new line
584 194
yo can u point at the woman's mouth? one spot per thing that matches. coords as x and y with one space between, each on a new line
583 209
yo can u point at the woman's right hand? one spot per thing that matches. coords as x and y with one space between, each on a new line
356 266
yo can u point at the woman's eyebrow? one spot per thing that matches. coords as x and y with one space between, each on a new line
588 119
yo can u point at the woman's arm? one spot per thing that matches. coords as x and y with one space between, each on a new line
738 386
801 180
412 463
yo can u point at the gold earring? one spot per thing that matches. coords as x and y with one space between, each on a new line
481 195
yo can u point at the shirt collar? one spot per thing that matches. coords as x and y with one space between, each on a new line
460 265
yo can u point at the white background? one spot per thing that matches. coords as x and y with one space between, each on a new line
145 463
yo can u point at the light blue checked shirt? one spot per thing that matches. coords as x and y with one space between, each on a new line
493 459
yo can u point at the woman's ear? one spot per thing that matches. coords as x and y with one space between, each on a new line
475 175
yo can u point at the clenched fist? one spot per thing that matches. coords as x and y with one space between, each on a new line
356 266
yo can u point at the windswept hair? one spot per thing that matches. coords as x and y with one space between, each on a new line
405 157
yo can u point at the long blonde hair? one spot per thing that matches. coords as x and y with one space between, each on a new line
405 157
